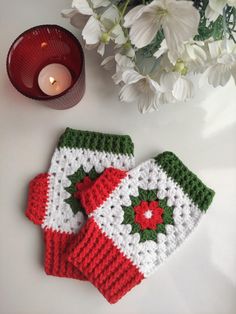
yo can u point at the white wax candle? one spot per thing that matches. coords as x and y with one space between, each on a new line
54 79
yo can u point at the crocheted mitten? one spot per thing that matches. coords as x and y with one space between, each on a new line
80 157
136 219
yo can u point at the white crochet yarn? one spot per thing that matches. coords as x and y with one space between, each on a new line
65 162
149 254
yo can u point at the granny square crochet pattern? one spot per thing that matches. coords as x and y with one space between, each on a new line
78 159
136 220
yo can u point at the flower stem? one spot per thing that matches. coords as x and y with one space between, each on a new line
124 9
225 27
120 17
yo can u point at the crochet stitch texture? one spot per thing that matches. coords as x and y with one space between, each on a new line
80 156
136 220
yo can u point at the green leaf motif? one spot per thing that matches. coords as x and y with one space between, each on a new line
75 178
129 215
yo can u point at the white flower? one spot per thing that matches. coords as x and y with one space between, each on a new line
142 89
191 57
179 20
175 87
215 8
120 63
194 56
223 63
123 63
97 30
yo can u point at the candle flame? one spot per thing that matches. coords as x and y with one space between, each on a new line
52 80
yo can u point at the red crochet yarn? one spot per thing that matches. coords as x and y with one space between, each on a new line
79 158
37 198
148 215
136 220
80 186
55 242
91 198
94 254
55 264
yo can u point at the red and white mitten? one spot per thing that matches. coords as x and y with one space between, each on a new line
136 220
80 157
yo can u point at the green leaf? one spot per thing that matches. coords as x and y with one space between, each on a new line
135 201
128 215
148 234
75 205
152 195
161 229
93 174
75 178
135 228
143 195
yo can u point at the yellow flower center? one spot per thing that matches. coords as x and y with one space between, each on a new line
162 12
127 45
105 38
180 67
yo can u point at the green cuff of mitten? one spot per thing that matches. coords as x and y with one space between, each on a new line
196 190
110 143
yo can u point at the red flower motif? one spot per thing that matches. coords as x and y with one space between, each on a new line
82 185
148 215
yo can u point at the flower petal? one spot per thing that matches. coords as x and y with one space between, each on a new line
215 49
232 3
196 53
82 6
180 24
118 35
110 17
217 5
131 76
100 3
109 63
92 31
218 74
101 49
123 64
147 102
154 86
144 29
210 14
233 72
163 49
132 15
168 79
183 89
129 93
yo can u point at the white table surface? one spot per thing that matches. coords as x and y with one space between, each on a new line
201 276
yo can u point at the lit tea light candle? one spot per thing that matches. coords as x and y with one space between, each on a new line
46 63
54 79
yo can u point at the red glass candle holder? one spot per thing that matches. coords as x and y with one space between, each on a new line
35 49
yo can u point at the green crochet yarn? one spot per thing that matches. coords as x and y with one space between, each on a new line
110 143
75 178
129 215
197 191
